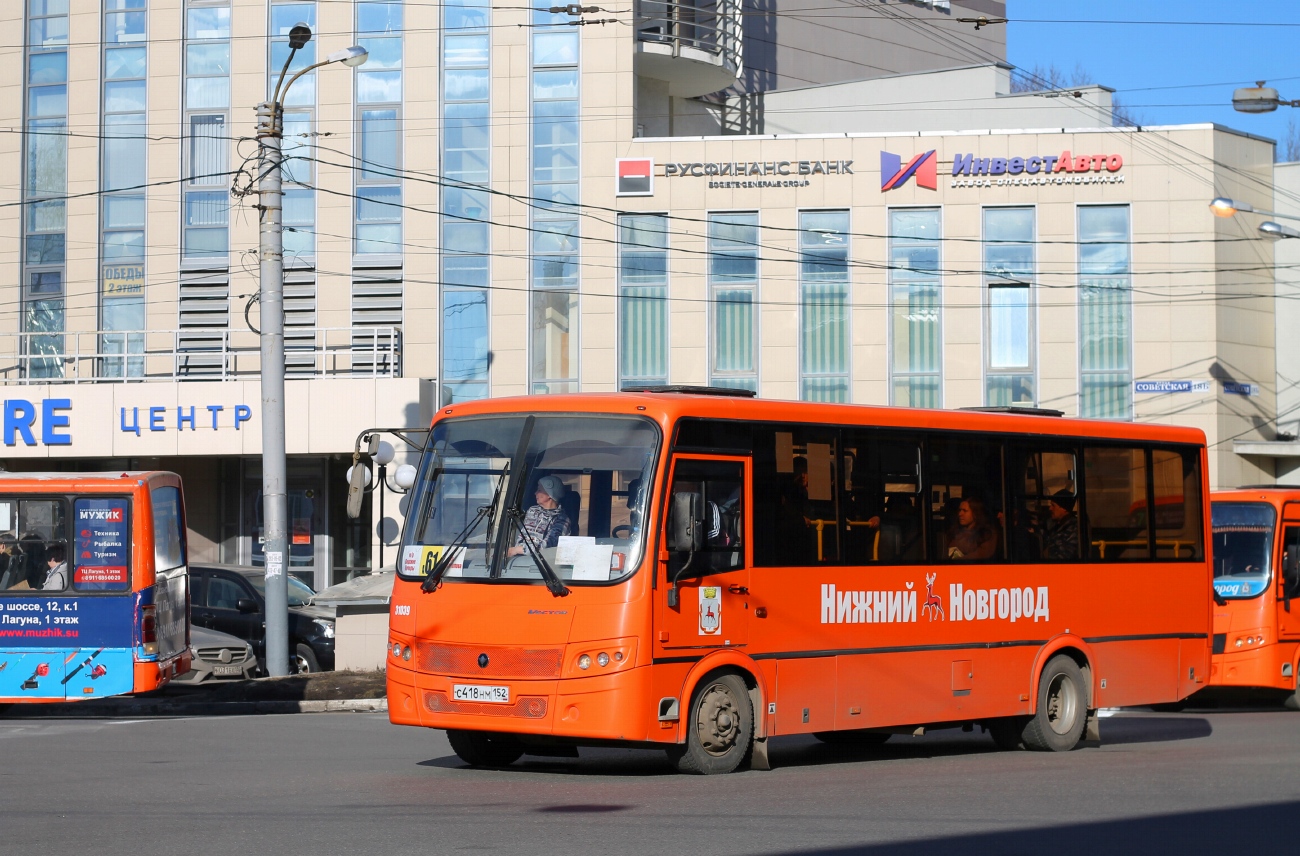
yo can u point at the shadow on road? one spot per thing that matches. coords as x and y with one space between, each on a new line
1252 829
806 751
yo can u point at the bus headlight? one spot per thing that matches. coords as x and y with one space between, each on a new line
602 658
584 662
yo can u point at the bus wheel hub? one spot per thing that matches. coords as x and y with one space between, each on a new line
718 722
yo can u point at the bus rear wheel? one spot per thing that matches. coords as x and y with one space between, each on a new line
485 749
1062 708
720 732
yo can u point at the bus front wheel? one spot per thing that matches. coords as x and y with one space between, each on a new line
484 749
720 732
1062 708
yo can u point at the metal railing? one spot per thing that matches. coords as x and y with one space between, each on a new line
117 356
713 27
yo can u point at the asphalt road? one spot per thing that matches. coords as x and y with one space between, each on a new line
1188 783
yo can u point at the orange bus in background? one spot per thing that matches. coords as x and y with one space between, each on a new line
94 586
706 571
1256 555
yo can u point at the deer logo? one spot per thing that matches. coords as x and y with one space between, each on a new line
932 600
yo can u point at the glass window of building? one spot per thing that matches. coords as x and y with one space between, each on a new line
378 123
466 205
915 331
1105 313
733 291
643 299
122 176
555 234
45 180
824 305
1009 341
205 216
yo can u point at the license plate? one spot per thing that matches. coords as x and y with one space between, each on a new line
227 670
475 692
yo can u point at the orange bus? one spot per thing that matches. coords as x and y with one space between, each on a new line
1256 555
698 570
94 588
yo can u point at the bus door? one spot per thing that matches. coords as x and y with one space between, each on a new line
1288 587
703 571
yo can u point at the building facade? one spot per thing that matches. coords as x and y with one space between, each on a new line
508 201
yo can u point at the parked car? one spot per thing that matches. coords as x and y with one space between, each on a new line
217 656
232 599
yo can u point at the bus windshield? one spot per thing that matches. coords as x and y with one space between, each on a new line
1243 544
498 494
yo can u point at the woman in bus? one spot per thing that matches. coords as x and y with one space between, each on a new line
973 537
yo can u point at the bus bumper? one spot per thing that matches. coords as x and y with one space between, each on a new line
616 706
1262 666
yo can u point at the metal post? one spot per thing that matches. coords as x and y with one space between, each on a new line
274 476
383 475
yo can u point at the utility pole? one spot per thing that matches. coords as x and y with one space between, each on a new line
275 513
275 503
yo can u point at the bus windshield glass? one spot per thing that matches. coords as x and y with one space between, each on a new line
497 495
1243 544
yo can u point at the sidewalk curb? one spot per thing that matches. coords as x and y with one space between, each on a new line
121 708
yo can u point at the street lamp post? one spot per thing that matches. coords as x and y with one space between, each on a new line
270 131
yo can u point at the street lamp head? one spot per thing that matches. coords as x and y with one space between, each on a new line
1255 99
1276 231
1224 207
299 35
351 57
405 476
384 454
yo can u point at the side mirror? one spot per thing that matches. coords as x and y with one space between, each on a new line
686 523
246 605
1291 573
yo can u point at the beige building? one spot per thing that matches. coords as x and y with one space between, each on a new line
501 203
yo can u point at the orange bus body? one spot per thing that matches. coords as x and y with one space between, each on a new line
1256 640
120 623
821 647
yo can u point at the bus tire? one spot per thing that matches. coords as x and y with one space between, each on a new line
1062 708
854 737
720 730
1292 702
1008 733
304 660
484 749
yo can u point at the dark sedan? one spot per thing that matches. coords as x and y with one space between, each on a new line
232 600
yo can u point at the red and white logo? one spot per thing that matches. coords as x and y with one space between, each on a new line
634 176
932 600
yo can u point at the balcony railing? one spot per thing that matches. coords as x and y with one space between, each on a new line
195 354
708 31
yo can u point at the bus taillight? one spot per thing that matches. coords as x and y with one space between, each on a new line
149 629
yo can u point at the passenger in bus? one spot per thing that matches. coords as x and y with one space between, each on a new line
973 537
1061 541
32 546
11 562
796 538
56 579
546 521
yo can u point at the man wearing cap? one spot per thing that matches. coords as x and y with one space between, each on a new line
1061 541
545 522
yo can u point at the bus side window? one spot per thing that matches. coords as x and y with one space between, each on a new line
964 478
797 496
1176 477
1115 495
882 515
719 486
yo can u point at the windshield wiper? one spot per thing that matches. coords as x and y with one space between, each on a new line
440 568
553 582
